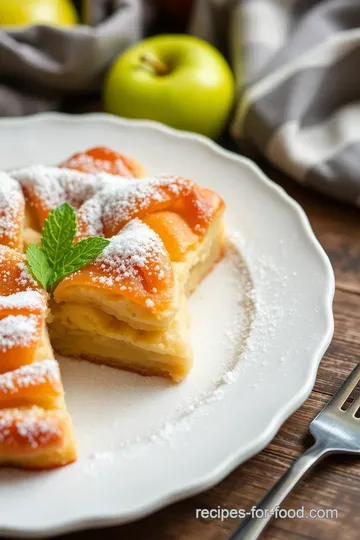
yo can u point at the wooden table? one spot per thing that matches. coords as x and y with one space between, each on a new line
336 482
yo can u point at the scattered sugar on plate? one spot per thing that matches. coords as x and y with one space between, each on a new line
204 401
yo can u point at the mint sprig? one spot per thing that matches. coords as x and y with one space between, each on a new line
39 265
58 256
58 234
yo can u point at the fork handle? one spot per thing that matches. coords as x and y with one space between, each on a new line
252 526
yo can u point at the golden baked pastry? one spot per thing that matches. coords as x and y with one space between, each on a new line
100 159
127 308
35 428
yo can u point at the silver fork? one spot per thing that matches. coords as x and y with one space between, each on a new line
335 431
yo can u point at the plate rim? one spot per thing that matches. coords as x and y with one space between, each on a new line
206 481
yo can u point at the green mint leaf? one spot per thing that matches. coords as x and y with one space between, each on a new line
58 234
38 265
78 256
58 256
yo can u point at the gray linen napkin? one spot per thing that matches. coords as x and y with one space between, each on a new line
40 65
297 64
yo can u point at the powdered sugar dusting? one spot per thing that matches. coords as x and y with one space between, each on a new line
137 195
105 202
89 164
25 279
11 208
17 331
121 199
137 246
104 280
51 186
90 218
41 183
30 300
204 212
31 375
34 426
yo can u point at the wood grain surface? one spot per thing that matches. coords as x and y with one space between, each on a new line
335 483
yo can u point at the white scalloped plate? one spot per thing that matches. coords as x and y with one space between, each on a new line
258 340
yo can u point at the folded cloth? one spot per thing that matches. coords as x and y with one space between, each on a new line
297 68
296 64
40 65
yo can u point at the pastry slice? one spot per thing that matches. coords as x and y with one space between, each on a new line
35 428
127 308
132 279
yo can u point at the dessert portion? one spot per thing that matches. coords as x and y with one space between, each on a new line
127 308
35 428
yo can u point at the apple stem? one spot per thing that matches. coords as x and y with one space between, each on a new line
156 65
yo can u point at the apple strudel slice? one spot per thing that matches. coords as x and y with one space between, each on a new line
35 428
110 311
165 234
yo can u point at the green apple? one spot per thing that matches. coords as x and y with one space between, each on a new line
25 12
179 80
